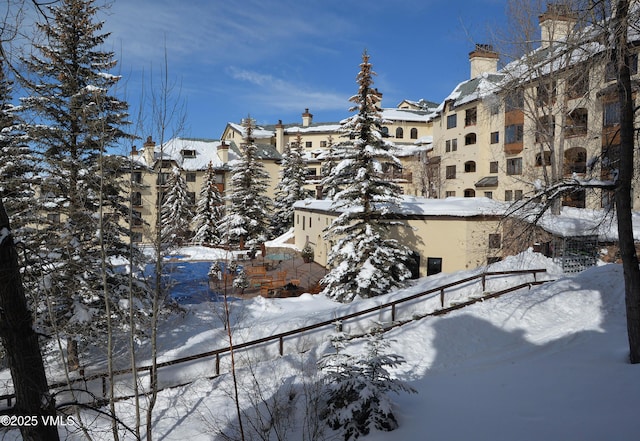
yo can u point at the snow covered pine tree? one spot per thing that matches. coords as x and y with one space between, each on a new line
364 261
290 188
75 120
209 211
357 386
176 211
247 219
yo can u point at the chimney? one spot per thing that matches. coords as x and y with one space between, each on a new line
483 59
148 151
223 152
280 136
134 150
556 23
306 118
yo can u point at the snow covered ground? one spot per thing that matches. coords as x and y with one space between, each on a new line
548 363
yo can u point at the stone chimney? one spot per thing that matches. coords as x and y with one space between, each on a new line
556 23
134 150
483 59
223 152
148 151
280 136
307 118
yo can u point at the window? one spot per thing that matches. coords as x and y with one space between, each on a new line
163 178
578 85
308 144
494 241
469 193
495 137
434 265
451 172
543 159
136 237
577 122
470 139
508 195
304 222
454 145
452 121
447 147
611 114
399 133
514 166
323 143
166 164
53 218
513 133
471 116
449 194
136 199
136 177
470 167
137 218
488 194
191 197
385 131
514 100
610 70
188 153
414 133
493 167
191 177
517 195
546 93
545 128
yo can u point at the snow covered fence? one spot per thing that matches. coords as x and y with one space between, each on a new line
434 301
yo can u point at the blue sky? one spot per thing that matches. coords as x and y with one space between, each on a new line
274 58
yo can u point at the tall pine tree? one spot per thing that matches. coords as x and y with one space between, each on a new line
76 119
290 188
247 218
209 211
176 211
18 166
364 261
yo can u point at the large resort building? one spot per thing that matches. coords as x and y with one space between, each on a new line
505 134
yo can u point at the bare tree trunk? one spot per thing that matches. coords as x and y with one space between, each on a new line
21 343
625 176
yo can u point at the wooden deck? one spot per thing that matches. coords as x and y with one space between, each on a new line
276 278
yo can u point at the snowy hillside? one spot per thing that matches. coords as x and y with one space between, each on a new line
542 364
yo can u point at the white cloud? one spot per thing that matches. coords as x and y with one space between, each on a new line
284 95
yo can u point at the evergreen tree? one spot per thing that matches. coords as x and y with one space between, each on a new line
18 167
358 386
76 119
364 261
176 212
209 211
290 188
328 164
248 213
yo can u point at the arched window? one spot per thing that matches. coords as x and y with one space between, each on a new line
414 133
469 193
399 133
470 139
470 167
575 160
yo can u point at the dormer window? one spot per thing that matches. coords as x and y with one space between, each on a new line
188 153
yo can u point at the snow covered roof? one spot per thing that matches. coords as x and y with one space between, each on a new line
584 222
473 89
188 153
394 114
258 132
417 206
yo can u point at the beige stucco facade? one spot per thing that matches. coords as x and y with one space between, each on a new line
462 239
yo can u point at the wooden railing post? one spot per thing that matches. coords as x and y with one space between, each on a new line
217 364
281 346
442 297
393 312
484 282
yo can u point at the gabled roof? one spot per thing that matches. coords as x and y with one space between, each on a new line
187 153
473 89
265 151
